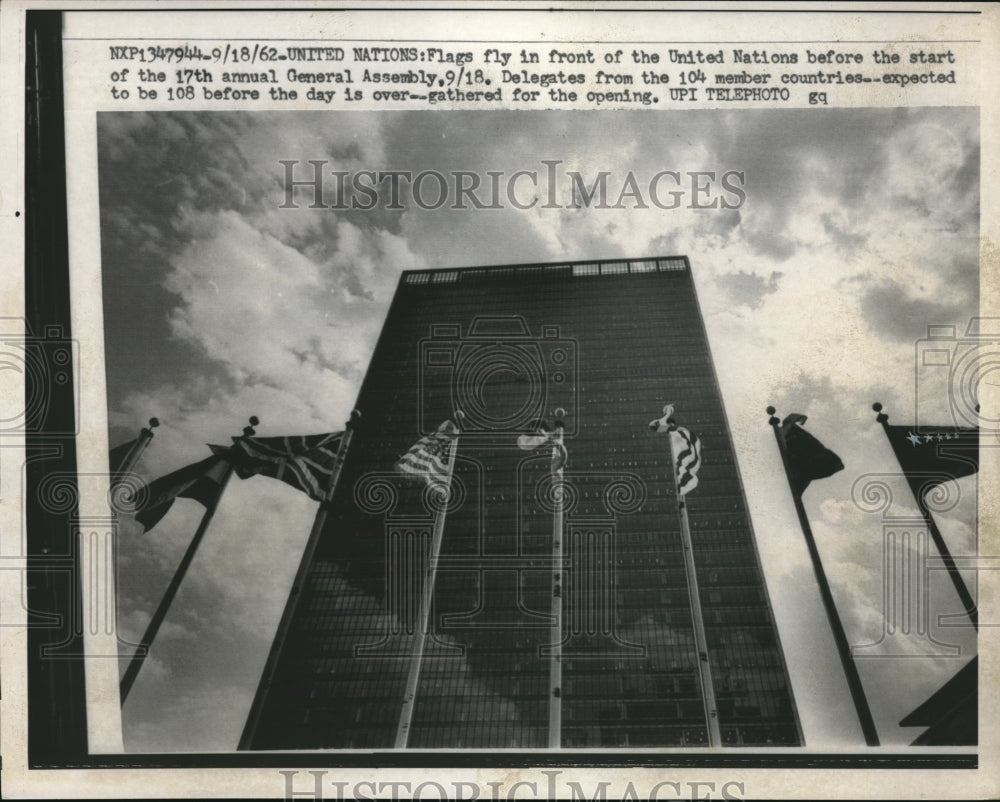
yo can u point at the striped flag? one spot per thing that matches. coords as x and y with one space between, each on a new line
545 435
427 459
687 450
305 462
684 445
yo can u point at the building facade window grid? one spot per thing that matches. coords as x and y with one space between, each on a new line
493 691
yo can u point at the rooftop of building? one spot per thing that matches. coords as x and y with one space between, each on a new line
537 270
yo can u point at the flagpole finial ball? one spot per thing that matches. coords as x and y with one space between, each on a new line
770 410
154 422
876 407
254 420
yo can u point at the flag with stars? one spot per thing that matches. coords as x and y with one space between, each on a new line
427 459
934 455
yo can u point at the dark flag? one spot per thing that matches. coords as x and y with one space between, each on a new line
117 455
951 712
201 481
934 455
123 458
929 458
806 457
305 462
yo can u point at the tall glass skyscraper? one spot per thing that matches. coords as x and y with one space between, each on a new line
602 347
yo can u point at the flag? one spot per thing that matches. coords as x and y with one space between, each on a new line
951 712
305 462
684 445
686 448
201 481
545 434
944 453
427 459
806 457
117 455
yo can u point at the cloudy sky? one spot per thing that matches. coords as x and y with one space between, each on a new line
860 228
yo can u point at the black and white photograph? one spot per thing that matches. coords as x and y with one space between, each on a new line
441 435
803 278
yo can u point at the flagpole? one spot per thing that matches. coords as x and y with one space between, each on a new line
298 584
697 617
132 457
139 656
555 631
968 603
426 599
839 636
117 472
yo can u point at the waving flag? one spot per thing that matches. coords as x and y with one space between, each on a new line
201 481
685 446
933 456
427 459
545 434
304 461
807 457
117 455
687 458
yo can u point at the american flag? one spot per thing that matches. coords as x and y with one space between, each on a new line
427 459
